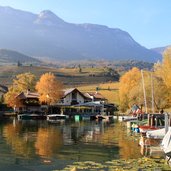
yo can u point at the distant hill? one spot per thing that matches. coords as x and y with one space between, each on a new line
47 35
160 50
10 56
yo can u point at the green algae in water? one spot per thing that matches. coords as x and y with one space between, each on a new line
143 164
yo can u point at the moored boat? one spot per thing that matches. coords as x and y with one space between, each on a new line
29 116
166 143
56 117
156 134
145 128
107 117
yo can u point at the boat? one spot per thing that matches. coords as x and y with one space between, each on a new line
106 117
55 117
166 144
33 116
145 128
156 134
129 118
155 121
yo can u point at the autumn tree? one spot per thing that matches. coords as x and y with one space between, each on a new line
49 88
162 71
21 83
24 82
129 88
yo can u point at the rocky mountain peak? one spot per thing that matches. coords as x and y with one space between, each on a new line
48 17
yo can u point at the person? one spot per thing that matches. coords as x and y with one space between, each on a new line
161 111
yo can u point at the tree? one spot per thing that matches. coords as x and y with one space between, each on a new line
163 69
21 83
79 68
24 82
49 88
129 84
162 72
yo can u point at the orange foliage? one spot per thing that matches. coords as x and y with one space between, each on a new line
48 142
128 82
49 88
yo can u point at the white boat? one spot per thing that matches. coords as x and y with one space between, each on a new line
166 143
107 117
53 117
156 134
129 118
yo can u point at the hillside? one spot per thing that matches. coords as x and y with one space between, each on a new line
160 50
47 35
10 56
71 77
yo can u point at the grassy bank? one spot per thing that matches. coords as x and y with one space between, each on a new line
109 90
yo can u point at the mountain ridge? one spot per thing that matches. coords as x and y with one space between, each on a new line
47 35
11 56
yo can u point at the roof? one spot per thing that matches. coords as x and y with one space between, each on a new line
90 104
68 91
95 95
28 94
3 88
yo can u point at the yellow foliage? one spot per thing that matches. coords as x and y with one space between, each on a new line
22 83
49 88
128 83
163 69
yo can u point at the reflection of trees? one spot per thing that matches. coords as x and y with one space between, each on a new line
48 141
21 144
128 147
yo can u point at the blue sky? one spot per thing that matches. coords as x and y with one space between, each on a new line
147 21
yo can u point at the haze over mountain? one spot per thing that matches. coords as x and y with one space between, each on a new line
47 35
160 50
10 56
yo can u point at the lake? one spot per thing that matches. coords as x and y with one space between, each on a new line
39 145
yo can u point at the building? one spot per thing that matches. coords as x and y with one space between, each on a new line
3 90
73 97
28 101
72 102
75 102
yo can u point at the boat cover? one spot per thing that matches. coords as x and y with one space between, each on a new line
156 134
166 143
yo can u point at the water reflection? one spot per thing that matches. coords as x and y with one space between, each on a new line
68 141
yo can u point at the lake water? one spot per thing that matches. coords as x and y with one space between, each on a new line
39 145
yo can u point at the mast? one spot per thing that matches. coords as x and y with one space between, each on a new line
145 101
152 93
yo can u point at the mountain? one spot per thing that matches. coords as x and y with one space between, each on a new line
10 56
47 35
160 50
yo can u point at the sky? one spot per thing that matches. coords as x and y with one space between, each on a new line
147 21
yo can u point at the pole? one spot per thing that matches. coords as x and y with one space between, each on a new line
145 101
166 118
152 93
